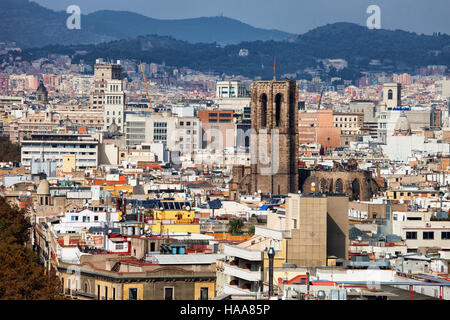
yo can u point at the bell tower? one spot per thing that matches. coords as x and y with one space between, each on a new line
274 144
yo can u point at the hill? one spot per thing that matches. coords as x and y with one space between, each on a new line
397 51
31 25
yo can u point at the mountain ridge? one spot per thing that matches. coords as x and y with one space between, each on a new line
396 51
31 25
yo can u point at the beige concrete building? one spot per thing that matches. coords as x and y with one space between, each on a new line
318 226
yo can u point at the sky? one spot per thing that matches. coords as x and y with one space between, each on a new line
294 16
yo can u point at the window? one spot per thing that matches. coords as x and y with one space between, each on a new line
106 293
114 294
428 235
390 95
168 293
98 292
132 293
445 235
411 235
263 102
204 293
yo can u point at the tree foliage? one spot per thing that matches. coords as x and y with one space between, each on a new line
9 152
397 51
235 226
21 275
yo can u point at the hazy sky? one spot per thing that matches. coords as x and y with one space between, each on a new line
295 16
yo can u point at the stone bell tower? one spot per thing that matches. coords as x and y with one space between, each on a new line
274 144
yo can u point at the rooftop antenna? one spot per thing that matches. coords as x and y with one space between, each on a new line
274 65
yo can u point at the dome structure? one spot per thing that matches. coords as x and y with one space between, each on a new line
41 94
113 128
402 127
43 188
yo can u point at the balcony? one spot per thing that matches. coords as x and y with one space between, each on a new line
242 273
234 289
251 255
84 295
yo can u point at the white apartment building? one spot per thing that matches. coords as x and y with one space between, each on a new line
76 221
188 136
147 128
442 88
419 231
54 146
230 89
181 134
241 272
114 107
232 95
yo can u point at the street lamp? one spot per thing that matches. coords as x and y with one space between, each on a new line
271 255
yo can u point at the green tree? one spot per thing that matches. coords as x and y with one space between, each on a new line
21 275
251 230
235 226
9 151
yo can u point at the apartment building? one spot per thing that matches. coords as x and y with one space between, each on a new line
218 129
420 230
55 146
103 72
310 229
57 117
318 127
145 128
114 105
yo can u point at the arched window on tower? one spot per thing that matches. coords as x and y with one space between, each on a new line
263 110
278 99
390 95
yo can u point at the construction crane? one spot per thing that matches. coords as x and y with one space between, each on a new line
146 86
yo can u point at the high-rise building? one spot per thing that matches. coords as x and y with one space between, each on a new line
114 106
103 72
